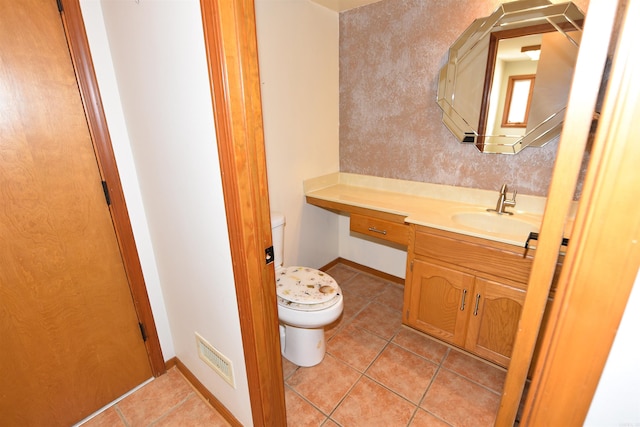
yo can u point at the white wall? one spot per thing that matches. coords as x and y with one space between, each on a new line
617 399
157 52
371 252
298 48
298 54
96 33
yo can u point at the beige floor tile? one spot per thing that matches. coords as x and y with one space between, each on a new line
301 413
392 296
371 405
353 304
403 372
461 402
476 370
458 396
365 286
155 399
356 347
421 345
194 412
341 273
324 385
107 418
331 329
288 368
380 320
425 419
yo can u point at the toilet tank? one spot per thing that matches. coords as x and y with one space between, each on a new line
277 235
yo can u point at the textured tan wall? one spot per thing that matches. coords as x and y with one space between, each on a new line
390 125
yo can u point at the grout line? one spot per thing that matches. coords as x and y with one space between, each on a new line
114 403
348 322
174 408
121 415
472 381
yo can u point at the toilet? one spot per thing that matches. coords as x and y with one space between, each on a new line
308 300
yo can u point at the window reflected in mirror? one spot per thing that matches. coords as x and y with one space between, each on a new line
518 101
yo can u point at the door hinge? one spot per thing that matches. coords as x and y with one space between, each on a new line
106 193
143 332
411 266
60 8
407 314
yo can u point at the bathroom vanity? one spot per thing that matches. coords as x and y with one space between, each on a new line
466 291
467 269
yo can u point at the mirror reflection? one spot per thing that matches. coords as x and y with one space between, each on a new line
506 83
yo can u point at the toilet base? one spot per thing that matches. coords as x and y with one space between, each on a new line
303 347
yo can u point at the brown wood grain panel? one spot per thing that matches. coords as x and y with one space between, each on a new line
380 228
69 328
573 141
435 304
493 325
231 47
603 259
89 91
487 257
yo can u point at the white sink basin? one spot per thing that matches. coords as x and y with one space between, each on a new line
491 222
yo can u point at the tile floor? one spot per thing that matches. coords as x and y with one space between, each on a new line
376 373
380 373
167 401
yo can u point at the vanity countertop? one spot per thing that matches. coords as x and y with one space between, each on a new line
456 209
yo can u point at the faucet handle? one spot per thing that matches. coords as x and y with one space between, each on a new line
510 202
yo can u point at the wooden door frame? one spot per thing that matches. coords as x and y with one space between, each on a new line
232 57
231 50
92 103
233 70
602 260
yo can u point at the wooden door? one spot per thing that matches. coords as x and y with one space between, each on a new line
440 301
493 322
70 338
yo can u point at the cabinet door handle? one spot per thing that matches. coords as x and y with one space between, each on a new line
375 230
475 310
464 298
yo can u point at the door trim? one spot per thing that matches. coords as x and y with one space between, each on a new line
603 258
232 56
582 102
97 123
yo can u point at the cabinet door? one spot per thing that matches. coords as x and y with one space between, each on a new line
493 322
439 299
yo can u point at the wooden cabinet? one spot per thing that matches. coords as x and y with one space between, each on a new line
371 222
493 320
465 291
436 301
393 231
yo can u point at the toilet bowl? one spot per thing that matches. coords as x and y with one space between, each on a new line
308 300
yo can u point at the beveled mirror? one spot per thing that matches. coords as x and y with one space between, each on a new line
506 83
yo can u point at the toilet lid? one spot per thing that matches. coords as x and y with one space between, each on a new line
305 288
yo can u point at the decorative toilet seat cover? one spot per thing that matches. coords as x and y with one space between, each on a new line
304 288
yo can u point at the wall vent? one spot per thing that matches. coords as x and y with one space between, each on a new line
216 360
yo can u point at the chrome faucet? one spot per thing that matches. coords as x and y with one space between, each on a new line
503 202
